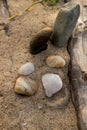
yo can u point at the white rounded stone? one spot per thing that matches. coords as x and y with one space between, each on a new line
26 69
55 61
25 86
52 83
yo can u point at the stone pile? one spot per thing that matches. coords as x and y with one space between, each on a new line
52 83
59 36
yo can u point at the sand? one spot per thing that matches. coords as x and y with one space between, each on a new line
19 112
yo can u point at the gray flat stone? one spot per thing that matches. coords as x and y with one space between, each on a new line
65 23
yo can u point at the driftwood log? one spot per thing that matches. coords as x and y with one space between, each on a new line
4 11
78 80
78 70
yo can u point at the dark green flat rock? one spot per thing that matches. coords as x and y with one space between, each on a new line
39 42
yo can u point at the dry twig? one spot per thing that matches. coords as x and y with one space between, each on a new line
26 9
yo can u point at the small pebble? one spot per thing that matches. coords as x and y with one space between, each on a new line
52 83
40 106
26 69
25 86
55 61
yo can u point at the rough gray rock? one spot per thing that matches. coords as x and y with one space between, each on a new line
65 23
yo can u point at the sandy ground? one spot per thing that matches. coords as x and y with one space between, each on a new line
31 113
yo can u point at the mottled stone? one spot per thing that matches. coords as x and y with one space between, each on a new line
25 86
65 23
39 42
26 69
55 61
52 83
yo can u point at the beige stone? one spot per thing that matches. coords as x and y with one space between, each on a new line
25 86
55 61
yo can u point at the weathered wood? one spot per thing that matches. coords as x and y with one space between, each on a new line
79 84
77 69
4 12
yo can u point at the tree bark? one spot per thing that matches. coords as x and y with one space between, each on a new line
78 81
78 69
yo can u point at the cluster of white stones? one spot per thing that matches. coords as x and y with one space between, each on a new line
52 83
